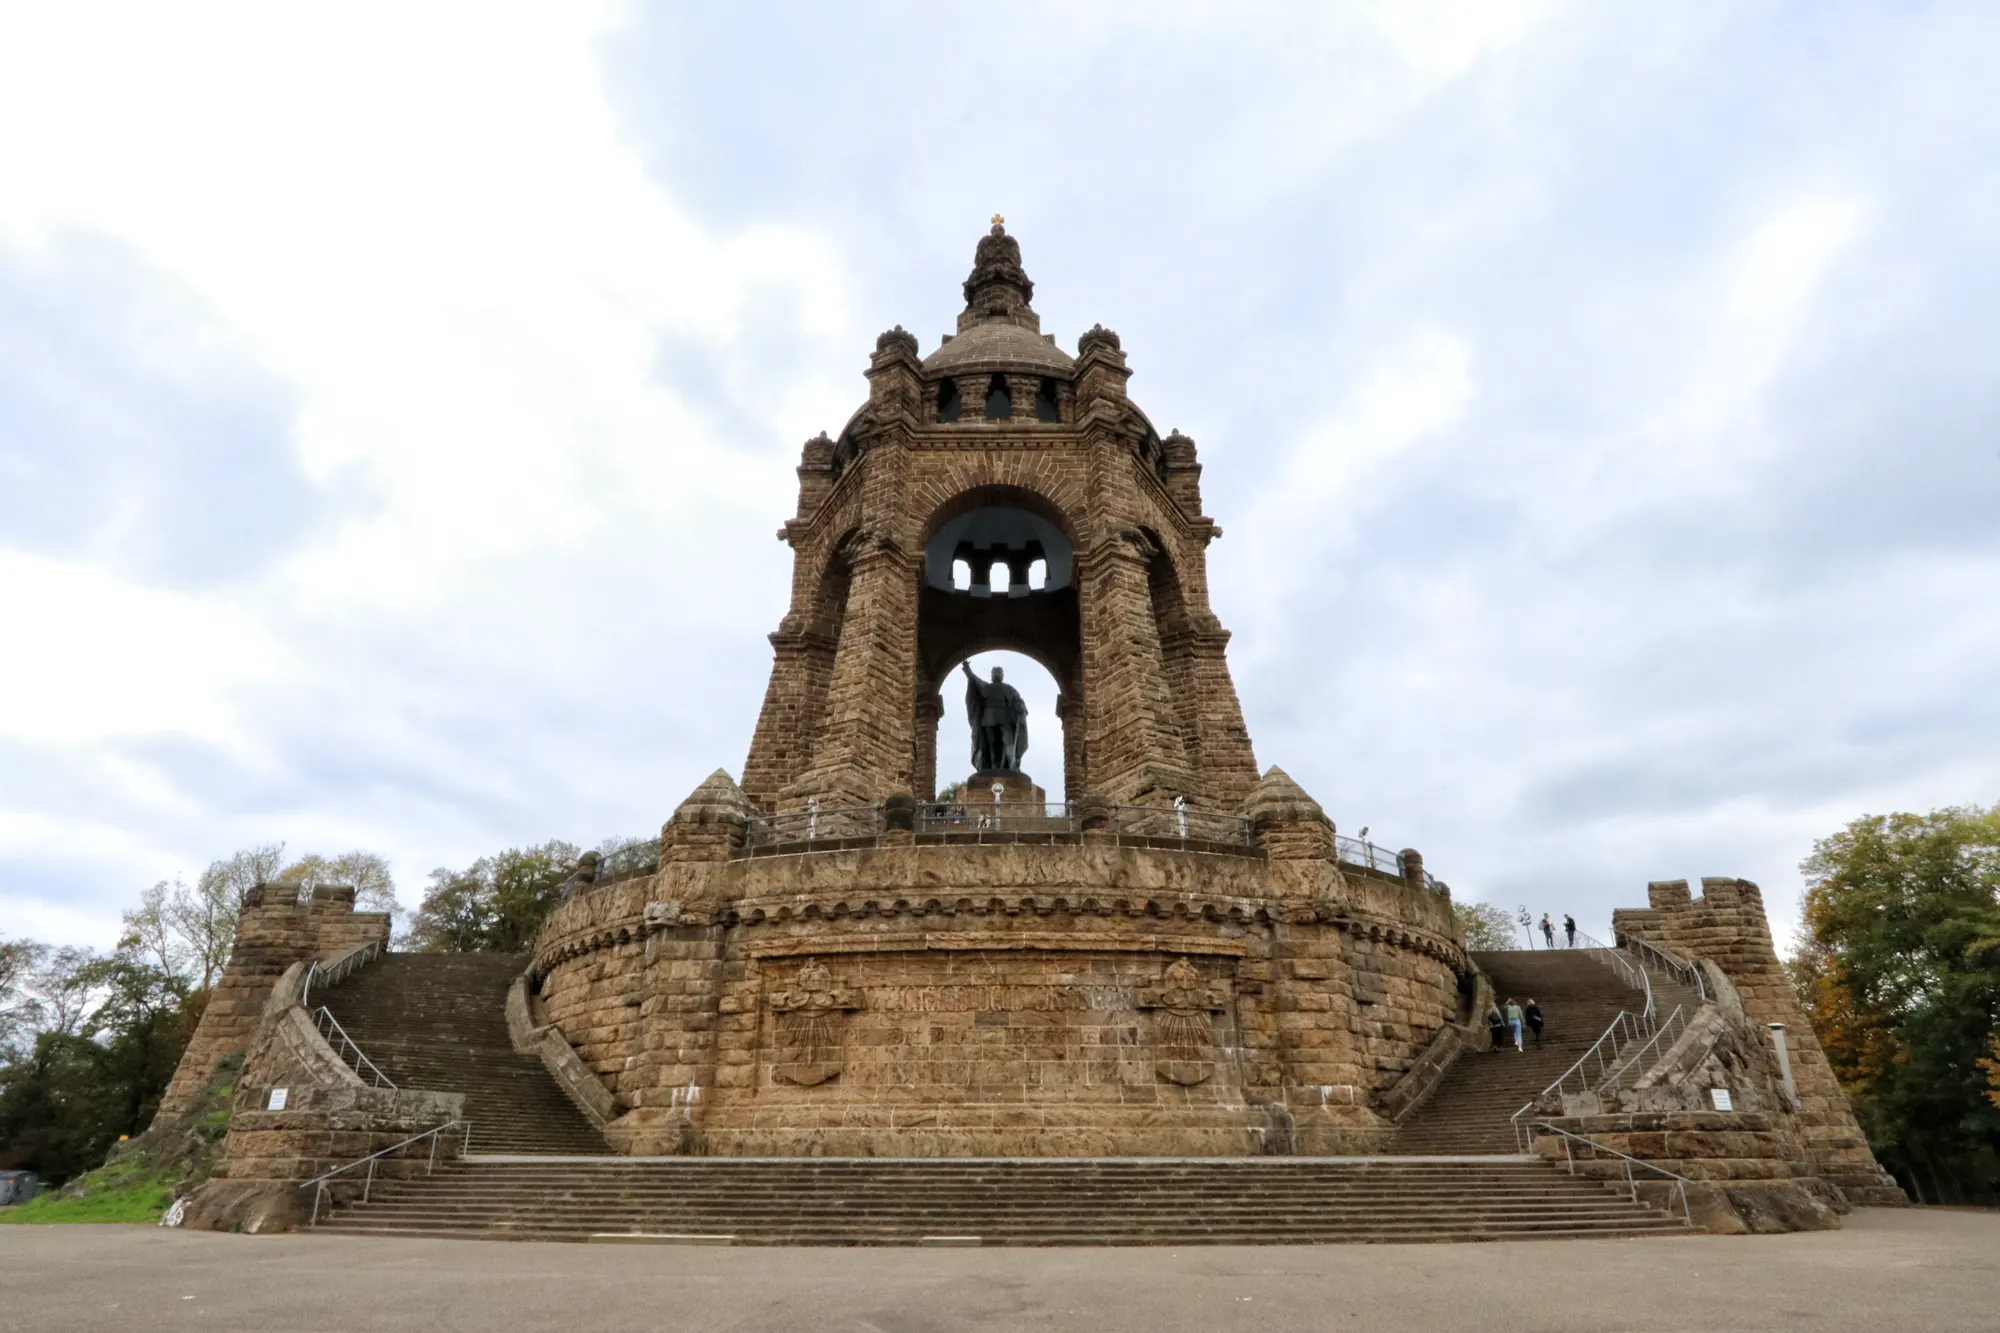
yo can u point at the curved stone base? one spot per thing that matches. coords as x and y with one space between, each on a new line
1051 998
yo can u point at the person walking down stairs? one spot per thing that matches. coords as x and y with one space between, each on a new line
1514 1020
1533 1013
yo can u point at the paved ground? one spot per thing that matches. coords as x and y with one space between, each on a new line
1921 1269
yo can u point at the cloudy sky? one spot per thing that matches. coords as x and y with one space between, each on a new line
397 404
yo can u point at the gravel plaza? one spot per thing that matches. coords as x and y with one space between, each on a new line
1929 1269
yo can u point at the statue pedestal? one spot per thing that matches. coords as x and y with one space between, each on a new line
1020 790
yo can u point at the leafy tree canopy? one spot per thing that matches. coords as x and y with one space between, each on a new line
1485 926
1899 966
495 904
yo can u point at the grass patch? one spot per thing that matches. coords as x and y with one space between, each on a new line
115 1192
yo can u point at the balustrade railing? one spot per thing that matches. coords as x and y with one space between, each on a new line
318 1183
344 1047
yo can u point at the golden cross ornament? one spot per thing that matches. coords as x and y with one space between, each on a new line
997 219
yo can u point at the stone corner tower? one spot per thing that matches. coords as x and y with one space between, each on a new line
1002 457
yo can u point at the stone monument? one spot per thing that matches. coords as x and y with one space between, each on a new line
829 960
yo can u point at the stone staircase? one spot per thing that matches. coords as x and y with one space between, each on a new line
1471 1108
1012 1201
439 1022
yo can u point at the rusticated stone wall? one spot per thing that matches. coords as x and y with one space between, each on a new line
1726 925
274 931
1074 997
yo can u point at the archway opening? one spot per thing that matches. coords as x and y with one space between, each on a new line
1046 740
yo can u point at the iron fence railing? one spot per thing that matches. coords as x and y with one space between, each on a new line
633 859
344 1047
1361 852
975 820
318 1183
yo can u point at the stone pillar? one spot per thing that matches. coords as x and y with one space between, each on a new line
1135 749
895 379
1312 983
677 975
1413 867
782 745
868 737
923 755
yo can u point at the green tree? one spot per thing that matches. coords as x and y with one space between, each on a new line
368 872
1485 926
113 1029
1900 966
496 904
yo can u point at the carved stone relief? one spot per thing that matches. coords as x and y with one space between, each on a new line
1183 1029
811 1016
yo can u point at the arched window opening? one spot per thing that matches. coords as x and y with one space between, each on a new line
949 404
951 764
961 575
1046 408
999 402
1038 575
999 579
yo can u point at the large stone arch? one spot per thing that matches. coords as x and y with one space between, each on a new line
952 626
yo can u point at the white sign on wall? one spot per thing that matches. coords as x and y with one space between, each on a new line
278 1098
1720 1096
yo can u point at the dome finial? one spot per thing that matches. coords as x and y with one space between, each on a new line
998 287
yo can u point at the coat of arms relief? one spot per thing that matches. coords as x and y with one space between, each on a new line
812 1014
1183 1003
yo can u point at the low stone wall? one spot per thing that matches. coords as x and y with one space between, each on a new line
268 1153
325 1127
1746 1172
546 1040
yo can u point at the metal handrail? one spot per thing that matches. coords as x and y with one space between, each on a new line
1632 1188
629 861
318 1183
1634 975
1666 1032
1688 974
1623 1031
324 1020
340 969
